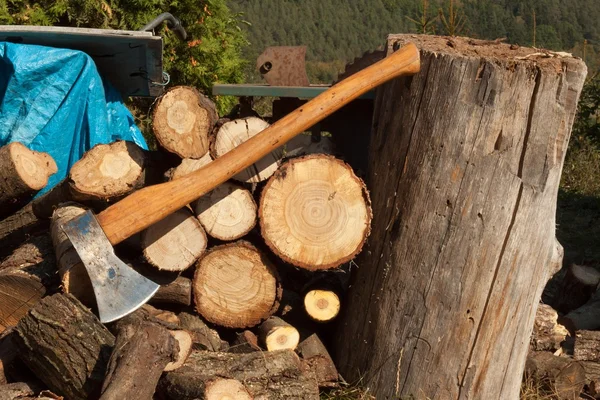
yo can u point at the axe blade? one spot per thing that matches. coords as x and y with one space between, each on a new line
118 288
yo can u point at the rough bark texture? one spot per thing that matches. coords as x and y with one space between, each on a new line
26 276
182 120
19 391
565 377
315 213
231 134
142 351
65 345
204 338
265 375
587 346
175 242
314 352
465 163
227 212
244 342
236 286
547 334
8 353
179 291
107 172
23 172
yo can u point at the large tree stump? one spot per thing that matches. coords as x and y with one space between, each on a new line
464 165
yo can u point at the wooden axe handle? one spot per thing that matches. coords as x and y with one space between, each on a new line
151 204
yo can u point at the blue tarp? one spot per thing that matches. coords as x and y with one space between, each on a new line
55 101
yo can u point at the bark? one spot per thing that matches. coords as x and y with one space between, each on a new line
227 212
268 375
107 172
547 334
185 344
578 286
315 213
276 334
236 286
142 351
465 161
26 276
8 353
23 173
179 291
182 121
65 345
563 376
233 133
586 317
587 346
245 342
175 242
314 352
19 391
204 338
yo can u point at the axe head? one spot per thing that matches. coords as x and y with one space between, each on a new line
118 288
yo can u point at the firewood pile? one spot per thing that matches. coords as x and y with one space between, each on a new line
565 343
252 274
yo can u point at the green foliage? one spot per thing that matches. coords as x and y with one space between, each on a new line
211 55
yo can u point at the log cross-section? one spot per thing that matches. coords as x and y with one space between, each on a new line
465 160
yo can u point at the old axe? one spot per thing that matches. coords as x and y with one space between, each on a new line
119 289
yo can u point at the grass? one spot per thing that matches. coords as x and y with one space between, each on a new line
535 389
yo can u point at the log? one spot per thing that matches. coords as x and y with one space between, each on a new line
185 344
586 317
65 345
8 353
578 286
203 337
107 172
227 212
265 375
314 352
587 346
142 350
18 391
464 165
26 276
245 342
182 120
23 173
563 376
322 305
175 242
315 213
233 133
276 334
179 291
189 165
236 286
547 334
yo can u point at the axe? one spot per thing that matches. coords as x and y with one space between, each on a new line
118 288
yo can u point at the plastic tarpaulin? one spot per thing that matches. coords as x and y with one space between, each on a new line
54 100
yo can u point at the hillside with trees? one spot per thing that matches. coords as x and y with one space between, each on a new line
336 31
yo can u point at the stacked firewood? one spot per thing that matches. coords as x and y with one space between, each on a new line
252 273
565 343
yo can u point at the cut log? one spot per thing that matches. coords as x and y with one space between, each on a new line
182 120
178 291
107 172
236 286
322 305
315 213
175 242
203 337
314 352
265 375
23 173
563 376
586 317
587 346
189 165
276 334
184 341
217 389
578 286
547 334
233 133
65 345
245 342
464 166
227 212
142 351
26 276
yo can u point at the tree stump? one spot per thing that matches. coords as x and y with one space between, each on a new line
315 213
465 161
23 172
182 121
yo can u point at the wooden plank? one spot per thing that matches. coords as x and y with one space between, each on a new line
130 60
